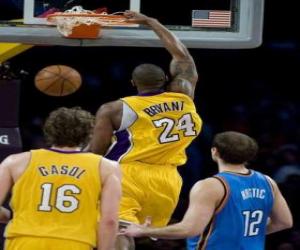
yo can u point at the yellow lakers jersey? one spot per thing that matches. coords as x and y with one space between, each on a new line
156 129
57 197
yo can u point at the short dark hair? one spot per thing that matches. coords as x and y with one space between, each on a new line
69 127
234 147
148 75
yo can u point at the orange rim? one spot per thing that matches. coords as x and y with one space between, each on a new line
112 17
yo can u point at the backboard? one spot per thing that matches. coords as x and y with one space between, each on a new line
227 24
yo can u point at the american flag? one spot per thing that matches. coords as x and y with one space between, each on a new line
211 18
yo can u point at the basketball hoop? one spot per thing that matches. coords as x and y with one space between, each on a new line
80 23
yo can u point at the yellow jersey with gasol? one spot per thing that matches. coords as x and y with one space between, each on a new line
156 129
57 196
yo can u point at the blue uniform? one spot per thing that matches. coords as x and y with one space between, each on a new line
192 242
239 223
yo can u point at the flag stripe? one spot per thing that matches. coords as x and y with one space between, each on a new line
211 18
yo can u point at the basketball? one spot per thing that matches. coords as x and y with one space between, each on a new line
58 80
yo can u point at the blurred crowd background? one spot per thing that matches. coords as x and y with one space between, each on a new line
252 91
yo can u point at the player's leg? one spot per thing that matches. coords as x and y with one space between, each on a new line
130 204
161 185
163 190
148 190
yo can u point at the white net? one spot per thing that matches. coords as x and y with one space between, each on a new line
76 16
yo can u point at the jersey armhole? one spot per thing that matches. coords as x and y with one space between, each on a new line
26 170
271 185
225 196
129 116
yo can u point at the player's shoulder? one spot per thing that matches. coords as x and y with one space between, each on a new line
110 107
178 94
188 100
108 167
15 159
264 177
267 177
174 95
272 183
208 190
210 185
182 86
105 162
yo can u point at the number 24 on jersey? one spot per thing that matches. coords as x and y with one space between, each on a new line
171 127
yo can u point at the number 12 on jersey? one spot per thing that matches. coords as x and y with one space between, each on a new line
252 220
184 123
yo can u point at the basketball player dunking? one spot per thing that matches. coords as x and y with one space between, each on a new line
152 131
234 209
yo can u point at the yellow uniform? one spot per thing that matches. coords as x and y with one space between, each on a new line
155 131
55 202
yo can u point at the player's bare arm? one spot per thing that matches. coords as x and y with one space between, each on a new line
5 185
6 180
5 215
110 199
280 217
108 119
205 197
10 170
182 68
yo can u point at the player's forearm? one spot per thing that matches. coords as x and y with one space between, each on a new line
107 234
273 226
4 215
175 231
170 41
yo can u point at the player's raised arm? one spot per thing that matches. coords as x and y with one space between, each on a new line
182 68
280 217
108 119
110 198
205 196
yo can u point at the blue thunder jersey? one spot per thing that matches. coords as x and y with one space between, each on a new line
239 223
